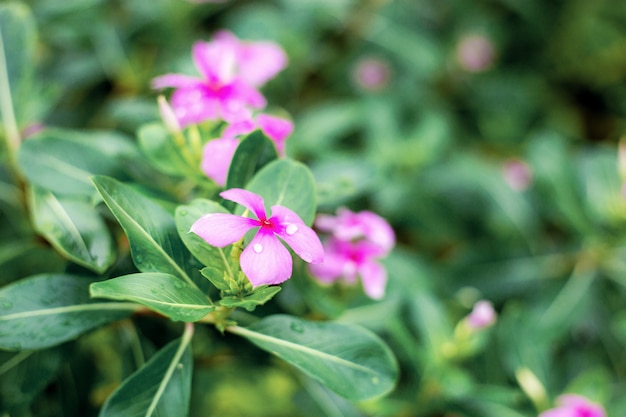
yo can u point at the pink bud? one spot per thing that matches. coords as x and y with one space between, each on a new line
482 315
517 174
372 73
475 53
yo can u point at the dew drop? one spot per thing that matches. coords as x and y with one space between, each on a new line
375 380
179 285
306 256
296 327
258 248
7 305
291 229
183 212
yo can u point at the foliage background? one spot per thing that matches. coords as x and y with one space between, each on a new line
426 151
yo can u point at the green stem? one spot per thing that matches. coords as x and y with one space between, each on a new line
6 107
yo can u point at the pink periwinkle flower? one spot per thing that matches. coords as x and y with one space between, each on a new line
357 242
218 153
231 71
482 315
572 405
346 260
265 260
475 53
348 225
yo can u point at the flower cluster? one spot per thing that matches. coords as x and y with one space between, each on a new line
356 242
264 260
571 405
231 73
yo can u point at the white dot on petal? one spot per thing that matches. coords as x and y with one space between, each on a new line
291 229
258 248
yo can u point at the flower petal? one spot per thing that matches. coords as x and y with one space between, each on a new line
265 260
276 129
216 60
175 81
222 229
300 237
249 200
242 127
194 105
374 278
259 62
216 158
331 269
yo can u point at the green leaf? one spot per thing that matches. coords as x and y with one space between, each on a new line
18 34
63 161
259 296
254 152
154 243
162 387
163 293
162 151
287 183
23 375
49 309
74 228
349 360
187 215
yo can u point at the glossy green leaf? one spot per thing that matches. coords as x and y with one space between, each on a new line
48 309
259 296
349 360
162 387
287 183
154 243
187 215
63 161
254 152
74 228
163 293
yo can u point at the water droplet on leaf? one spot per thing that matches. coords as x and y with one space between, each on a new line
291 229
296 327
258 248
183 212
7 305
178 284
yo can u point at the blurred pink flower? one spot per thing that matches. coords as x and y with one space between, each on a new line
356 243
265 260
482 315
571 405
347 225
517 174
475 53
347 260
218 153
372 73
230 71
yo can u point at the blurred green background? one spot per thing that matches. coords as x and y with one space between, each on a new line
486 132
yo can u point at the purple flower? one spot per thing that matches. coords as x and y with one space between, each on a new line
517 174
371 73
475 53
218 153
571 405
483 315
357 241
265 260
231 71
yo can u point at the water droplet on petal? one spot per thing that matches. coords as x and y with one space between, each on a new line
306 256
258 248
291 229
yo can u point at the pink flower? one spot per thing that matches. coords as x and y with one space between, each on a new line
357 241
264 260
483 315
348 260
348 225
231 71
517 174
571 405
218 153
